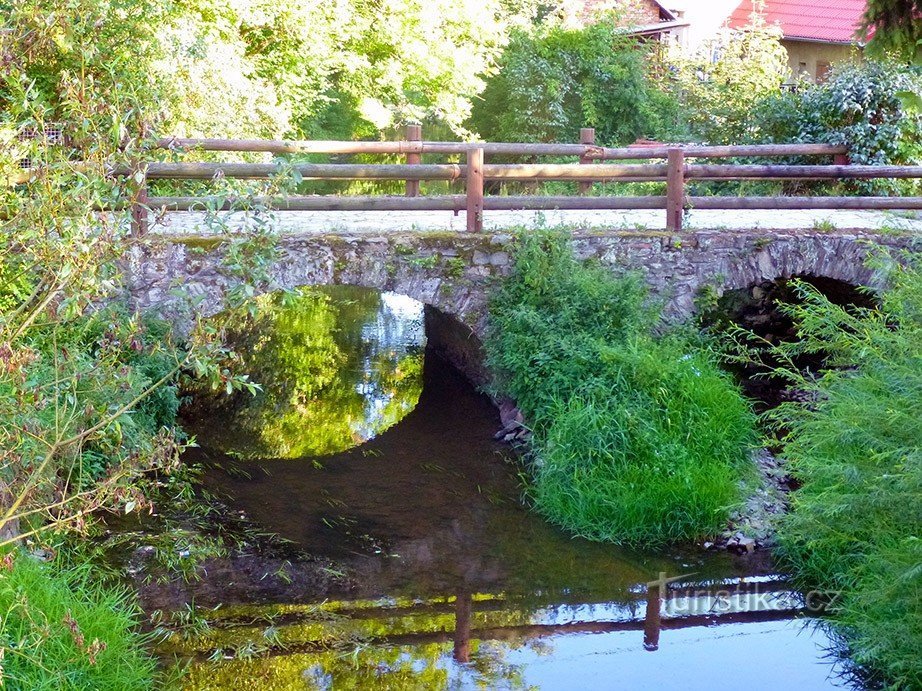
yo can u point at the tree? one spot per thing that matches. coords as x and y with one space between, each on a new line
860 106
722 81
894 27
553 80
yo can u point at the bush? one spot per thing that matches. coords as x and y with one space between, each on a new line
862 106
552 81
62 632
638 439
720 83
854 524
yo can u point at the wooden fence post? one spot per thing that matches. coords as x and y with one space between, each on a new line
414 134
139 207
475 190
840 160
586 136
675 188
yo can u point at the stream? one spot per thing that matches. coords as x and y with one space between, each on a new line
379 459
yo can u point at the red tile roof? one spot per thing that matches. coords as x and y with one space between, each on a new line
831 21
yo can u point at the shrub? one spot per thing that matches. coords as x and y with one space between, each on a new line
857 450
552 81
638 439
862 106
720 83
62 632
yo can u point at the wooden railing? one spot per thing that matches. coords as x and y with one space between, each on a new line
593 166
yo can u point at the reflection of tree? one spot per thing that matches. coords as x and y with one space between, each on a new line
412 651
334 371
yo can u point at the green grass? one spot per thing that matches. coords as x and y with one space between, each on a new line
854 523
638 439
60 631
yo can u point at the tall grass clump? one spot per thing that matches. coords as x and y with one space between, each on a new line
639 439
857 452
62 631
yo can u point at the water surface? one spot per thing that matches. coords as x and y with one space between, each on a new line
454 582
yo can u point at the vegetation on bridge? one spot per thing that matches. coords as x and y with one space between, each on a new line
639 438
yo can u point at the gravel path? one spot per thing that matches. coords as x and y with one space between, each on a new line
353 222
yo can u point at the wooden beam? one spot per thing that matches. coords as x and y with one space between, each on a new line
308 171
586 136
765 172
831 203
316 203
576 203
455 202
414 134
280 146
351 171
475 175
675 189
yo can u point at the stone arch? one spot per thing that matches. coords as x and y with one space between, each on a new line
177 276
841 258
453 293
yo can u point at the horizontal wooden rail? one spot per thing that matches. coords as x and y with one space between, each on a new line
596 172
791 203
589 151
447 202
399 171
772 172
663 163
442 202
308 171
456 202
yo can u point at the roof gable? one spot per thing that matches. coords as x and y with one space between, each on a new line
829 21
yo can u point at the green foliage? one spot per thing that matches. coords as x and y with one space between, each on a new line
96 365
210 82
721 82
638 439
87 395
861 106
341 71
896 26
62 631
857 451
553 80
58 59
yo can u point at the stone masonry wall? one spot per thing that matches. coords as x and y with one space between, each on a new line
454 272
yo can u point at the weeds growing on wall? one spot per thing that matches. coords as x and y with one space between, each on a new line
639 438
856 449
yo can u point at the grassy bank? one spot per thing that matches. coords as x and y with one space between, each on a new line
62 630
639 439
857 451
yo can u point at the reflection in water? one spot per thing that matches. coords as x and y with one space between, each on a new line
486 641
456 584
651 626
337 365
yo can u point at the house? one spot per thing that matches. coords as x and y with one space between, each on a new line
646 19
816 33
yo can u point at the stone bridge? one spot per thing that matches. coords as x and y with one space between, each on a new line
454 271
